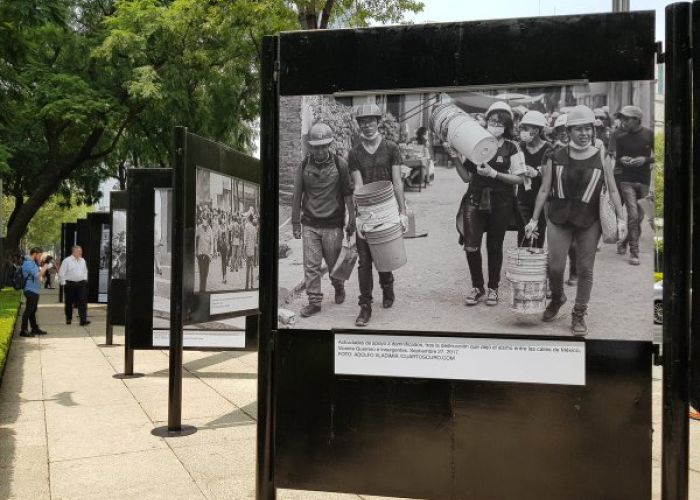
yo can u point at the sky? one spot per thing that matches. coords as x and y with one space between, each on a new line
472 10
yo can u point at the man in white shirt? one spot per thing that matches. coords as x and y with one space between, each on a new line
73 276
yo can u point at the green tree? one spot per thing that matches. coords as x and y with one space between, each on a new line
320 14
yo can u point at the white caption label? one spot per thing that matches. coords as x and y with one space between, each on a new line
455 358
221 303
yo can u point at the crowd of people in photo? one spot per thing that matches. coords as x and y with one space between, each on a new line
545 182
229 238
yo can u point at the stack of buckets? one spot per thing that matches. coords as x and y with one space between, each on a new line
378 218
526 270
464 133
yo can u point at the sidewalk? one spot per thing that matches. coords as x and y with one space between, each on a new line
68 430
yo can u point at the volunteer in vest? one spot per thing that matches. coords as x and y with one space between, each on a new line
374 159
571 186
634 159
322 192
73 276
535 151
490 204
32 273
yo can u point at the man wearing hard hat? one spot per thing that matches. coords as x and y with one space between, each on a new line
322 192
634 159
374 159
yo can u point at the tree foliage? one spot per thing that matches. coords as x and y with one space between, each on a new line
322 14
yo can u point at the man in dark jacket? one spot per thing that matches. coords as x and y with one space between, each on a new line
322 192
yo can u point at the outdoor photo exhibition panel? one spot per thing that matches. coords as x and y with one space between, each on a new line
99 254
117 268
431 127
148 275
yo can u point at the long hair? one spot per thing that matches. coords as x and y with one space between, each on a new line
505 118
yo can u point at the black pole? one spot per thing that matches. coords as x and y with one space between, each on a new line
176 285
694 390
677 241
264 472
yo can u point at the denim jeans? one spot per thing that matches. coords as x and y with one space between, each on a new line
559 241
632 192
364 273
319 244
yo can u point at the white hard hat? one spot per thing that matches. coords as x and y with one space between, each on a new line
534 118
561 120
580 115
364 110
320 134
499 106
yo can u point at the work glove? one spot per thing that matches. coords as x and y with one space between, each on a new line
297 232
531 229
531 171
486 170
621 229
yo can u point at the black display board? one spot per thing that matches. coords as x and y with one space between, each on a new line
441 439
82 237
117 270
69 238
98 256
140 279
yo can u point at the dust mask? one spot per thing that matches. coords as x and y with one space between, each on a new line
496 131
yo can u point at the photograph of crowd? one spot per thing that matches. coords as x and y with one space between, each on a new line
515 210
226 237
105 262
221 333
119 244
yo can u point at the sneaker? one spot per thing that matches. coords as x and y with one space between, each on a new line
492 297
310 310
340 295
621 248
552 311
388 297
474 296
634 259
26 334
85 323
39 331
578 321
573 280
69 321
364 316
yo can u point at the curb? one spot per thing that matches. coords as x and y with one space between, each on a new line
9 344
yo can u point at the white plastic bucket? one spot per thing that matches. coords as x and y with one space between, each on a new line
469 138
526 271
386 246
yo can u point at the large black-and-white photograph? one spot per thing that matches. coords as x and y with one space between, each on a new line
105 263
229 333
513 210
226 259
118 244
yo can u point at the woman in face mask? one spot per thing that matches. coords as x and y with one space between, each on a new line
535 151
571 184
490 206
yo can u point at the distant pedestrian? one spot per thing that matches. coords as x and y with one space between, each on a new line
50 270
250 235
204 244
74 278
32 273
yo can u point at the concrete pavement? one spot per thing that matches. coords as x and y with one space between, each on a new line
69 430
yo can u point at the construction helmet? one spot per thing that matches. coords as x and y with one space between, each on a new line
499 106
534 118
364 110
599 113
320 134
561 120
521 110
580 115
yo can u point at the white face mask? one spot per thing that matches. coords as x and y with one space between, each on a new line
496 131
526 136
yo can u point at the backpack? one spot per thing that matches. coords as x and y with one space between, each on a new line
18 279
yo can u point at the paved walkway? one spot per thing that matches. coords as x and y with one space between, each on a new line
68 430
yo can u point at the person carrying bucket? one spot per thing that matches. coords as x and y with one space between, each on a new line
535 150
374 159
322 191
571 187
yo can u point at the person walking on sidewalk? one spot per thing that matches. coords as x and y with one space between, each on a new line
204 245
634 158
73 276
32 273
322 192
250 241
571 186
490 205
374 159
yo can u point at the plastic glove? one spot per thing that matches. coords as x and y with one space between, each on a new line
531 229
486 170
297 233
621 229
531 172
404 222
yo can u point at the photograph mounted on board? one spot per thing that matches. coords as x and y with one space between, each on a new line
105 263
227 242
511 210
118 244
228 333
